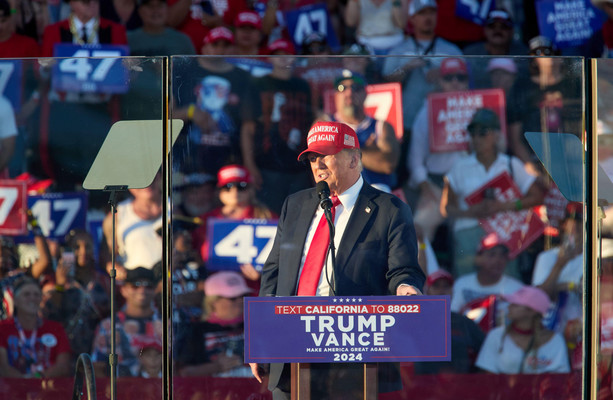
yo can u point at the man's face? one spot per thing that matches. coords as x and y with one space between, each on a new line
502 79
441 287
498 33
154 13
349 96
216 48
138 294
85 9
339 170
424 21
492 262
286 62
247 36
454 82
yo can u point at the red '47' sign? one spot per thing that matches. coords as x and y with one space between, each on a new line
517 229
450 113
13 206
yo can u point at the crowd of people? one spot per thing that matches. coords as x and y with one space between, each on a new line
515 307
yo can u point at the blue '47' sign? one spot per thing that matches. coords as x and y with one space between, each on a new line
237 242
474 10
58 213
306 20
90 69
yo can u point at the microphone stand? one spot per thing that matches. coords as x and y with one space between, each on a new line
331 248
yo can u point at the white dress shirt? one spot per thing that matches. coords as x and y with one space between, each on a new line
341 218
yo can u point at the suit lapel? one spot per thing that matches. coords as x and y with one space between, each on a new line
303 223
363 210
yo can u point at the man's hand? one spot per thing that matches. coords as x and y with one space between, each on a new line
255 371
407 290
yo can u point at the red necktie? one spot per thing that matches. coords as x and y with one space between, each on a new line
316 256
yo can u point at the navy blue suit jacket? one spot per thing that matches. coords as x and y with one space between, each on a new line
377 253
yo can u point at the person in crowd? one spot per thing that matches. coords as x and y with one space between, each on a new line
466 336
123 12
270 152
297 264
80 297
150 358
197 196
498 30
316 44
361 62
380 148
473 171
559 271
238 201
31 346
248 34
197 18
417 74
138 318
379 25
502 73
74 124
216 101
601 42
155 38
31 18
12 44
549 99
217 343
499 41
525 346
13 265
427 168
489 279
137 243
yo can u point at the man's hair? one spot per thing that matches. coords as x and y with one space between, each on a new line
359 154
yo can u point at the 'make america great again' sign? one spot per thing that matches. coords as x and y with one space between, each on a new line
347 329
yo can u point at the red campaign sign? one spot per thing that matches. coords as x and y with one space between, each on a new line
517 229
450 113
383 102
13 206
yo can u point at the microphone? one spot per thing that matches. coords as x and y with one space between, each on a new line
323 191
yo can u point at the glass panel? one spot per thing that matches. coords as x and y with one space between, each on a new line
453 142
56 114
604 276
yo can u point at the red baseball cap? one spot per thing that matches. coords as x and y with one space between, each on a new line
328 137
437 275
453 65
281 45
219 33
248 18
490 241
232 173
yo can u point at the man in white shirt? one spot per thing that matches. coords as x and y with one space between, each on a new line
491 260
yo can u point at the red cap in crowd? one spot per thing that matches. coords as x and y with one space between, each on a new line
281 45
147 342
248 18
490 241
453 65
438 275
327 138
217 34
232 173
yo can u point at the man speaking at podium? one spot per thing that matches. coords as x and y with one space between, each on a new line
374 238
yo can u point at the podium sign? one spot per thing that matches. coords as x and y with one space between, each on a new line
347 329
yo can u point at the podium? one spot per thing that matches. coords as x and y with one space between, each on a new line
353 333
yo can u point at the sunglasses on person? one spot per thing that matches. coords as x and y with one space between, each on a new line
240 186
355 87
542 51
145 284
457 77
